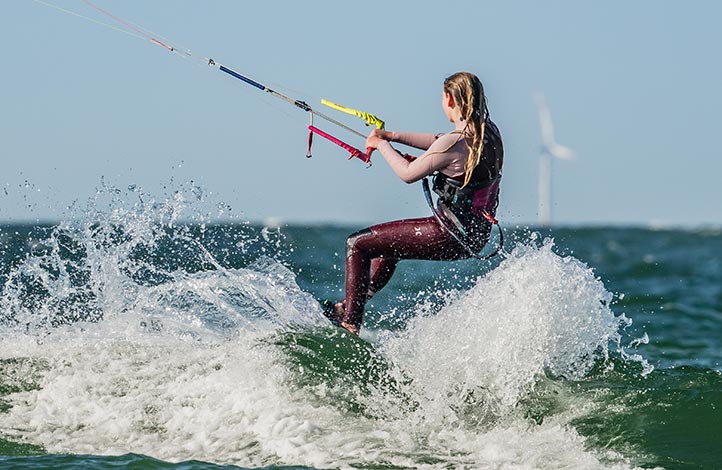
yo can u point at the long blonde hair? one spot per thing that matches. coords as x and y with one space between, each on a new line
468 94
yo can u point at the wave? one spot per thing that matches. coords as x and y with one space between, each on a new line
124 332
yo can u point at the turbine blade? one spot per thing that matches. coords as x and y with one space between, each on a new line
560 151
545 120
547 130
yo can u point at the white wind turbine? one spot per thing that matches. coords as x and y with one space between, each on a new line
550 148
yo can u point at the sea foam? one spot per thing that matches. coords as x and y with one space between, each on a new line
185 364
536 313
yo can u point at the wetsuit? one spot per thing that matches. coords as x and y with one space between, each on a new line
373 253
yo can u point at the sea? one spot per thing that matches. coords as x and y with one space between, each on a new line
151 333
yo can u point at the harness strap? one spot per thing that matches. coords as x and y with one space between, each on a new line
453 191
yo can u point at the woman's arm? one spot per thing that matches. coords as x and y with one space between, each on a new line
437 157
413 139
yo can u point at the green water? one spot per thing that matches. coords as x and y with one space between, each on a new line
669 282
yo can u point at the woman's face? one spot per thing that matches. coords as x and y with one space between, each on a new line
447 104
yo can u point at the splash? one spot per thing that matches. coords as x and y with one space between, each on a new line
126 253
135 335
536 314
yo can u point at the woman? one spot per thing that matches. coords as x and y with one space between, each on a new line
467 162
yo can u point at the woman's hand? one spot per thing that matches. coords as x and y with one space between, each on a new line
372 142
376 137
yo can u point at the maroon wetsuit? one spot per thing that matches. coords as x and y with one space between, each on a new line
373 253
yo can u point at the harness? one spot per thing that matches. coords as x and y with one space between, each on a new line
454 209
454 195
457 231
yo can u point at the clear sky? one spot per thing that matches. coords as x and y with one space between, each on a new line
634 88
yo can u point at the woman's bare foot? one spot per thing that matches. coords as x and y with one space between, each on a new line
339 309
350 328
335 312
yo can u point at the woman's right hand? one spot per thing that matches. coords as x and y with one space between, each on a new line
381 134
375 138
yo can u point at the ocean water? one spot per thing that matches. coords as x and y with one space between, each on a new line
130 339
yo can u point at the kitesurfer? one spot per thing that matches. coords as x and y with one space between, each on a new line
467 166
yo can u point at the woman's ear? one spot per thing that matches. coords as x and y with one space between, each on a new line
449 100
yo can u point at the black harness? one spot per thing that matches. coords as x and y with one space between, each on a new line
455 227
452 193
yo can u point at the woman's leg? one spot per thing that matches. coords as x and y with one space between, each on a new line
404 239
382 269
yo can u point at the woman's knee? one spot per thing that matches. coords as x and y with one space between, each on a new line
353 241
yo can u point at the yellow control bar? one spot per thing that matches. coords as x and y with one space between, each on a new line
370 119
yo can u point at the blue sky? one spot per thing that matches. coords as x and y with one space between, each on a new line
633 87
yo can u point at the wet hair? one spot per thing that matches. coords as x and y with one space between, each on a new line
468 94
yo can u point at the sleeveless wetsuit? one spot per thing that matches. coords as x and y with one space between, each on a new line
373 253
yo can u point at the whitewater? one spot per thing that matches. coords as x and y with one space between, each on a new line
125 331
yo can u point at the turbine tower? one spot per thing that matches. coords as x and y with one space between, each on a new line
550 149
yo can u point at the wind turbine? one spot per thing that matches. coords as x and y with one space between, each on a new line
550 149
